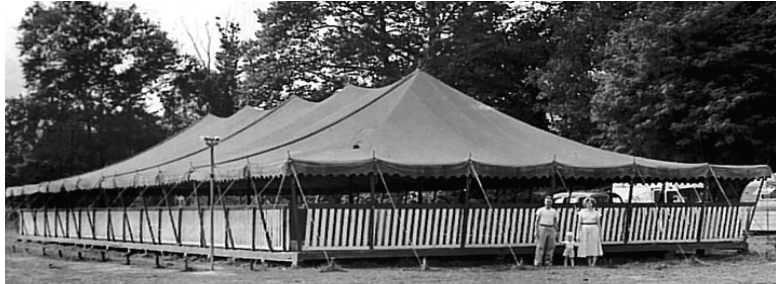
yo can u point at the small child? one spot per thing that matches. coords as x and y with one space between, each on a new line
569 252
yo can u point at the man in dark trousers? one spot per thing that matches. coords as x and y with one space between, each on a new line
545 232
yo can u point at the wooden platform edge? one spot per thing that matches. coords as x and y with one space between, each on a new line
296 257
519 251
292 257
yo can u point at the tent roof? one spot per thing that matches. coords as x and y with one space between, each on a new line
416 127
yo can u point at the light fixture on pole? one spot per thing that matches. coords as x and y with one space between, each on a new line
211 142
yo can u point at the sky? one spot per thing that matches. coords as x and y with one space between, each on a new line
175 17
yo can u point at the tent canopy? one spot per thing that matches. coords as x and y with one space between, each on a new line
416 127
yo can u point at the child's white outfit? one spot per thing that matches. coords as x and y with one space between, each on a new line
569 251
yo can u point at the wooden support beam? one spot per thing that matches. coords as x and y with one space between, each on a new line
259 204
159 225
228 228
180 226
91 215
465 213
148 219
200 217
108 224
79 225
253 228
702 217
372 202
629 209
175 230
293 216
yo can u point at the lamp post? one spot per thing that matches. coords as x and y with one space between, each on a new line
211 142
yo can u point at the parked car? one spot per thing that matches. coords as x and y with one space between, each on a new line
578 196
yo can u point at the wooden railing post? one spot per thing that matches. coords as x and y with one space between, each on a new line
372 202
94 223
79 225
108 224
703 212
34 222
465 214
45 222
124 224
629 212
226 227
141 224
700 222
180 226
253 228
293 212
56 215
159 226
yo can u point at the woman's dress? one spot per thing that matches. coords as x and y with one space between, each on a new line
589 234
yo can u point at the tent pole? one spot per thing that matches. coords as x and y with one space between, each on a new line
351 198
106 197
629 209
280 189
553 185
703 210
372 202
420 194
722 190
465 211
662 193
293 210
195 188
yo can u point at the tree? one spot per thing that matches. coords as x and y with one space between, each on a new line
192 89
311 49
85 68
692 82
577 33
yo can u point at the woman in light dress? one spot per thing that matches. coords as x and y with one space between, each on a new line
589 234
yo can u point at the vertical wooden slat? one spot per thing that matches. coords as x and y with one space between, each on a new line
315 234
508 223
396 228
379 230
346 227
443 238
414 229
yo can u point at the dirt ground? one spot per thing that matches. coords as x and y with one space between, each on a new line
27 265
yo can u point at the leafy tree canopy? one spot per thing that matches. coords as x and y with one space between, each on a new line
311 49
691 82
85 67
